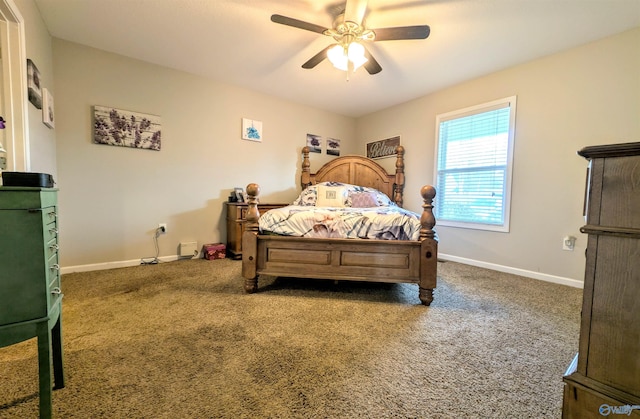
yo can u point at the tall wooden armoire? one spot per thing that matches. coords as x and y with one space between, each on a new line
604 378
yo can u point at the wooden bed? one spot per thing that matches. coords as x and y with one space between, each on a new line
393 261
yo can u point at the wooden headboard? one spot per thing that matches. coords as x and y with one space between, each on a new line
357 170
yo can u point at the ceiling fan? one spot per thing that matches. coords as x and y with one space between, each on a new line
348 52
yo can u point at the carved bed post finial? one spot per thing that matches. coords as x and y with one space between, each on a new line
399 185
427 219
249 239
253 190
305 178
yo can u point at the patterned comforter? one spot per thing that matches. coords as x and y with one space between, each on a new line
382 223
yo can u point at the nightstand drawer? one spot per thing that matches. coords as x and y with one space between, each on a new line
262 208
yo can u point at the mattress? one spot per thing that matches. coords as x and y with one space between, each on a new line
381 223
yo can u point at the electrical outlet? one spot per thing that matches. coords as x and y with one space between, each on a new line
3 163
568 243
162 227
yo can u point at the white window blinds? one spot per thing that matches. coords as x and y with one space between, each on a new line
474 166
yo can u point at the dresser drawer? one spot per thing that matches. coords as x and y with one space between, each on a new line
51 247
53 272
614 197
585 403
27 198
50 232
49 215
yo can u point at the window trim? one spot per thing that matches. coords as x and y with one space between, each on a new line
510 102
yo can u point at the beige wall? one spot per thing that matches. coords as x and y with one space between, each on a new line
112 198
585 96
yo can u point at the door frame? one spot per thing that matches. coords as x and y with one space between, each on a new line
14 86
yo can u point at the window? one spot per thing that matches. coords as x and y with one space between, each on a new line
473 166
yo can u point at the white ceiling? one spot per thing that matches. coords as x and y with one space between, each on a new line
234 41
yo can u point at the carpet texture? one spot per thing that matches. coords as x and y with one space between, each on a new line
183 340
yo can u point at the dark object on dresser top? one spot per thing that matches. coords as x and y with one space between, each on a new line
30 179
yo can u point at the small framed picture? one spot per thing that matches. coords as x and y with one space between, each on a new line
251 130
239 194
33 85
47 108
333 146
314 142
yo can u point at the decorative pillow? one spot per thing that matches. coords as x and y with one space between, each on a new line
331 196
382 199
307 197
363 199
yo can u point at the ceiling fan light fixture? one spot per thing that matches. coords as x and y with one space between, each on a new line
340 56
356 55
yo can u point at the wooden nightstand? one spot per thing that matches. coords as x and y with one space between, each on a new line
236 219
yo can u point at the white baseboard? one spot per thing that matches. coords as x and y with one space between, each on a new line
516 271
111 265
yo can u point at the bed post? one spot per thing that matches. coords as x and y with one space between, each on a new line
398 187
250 239
427 219
305 178
428 246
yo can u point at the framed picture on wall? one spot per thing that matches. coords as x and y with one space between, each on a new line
333 146
33 85
314 142
251 130
383 148
47 108
124 128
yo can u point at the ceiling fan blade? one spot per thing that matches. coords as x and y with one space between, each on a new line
317 59
354 11
371 65
403 32
283 20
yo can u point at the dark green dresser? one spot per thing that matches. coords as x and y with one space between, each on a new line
30 294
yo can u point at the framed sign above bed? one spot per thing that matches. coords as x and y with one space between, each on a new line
383 148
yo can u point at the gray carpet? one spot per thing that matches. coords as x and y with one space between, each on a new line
183 340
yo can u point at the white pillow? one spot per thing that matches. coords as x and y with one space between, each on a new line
331 196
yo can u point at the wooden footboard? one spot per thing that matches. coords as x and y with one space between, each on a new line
342 259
